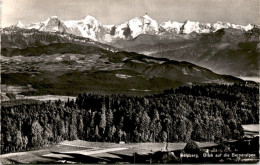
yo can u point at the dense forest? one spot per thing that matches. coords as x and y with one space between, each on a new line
199 113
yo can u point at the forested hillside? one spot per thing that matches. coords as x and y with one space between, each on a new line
200 113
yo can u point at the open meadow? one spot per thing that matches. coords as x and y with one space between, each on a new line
79 151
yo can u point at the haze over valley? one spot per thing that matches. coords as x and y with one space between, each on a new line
52 61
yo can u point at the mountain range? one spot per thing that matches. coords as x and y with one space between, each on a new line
139 56
91 28
65 64
226 51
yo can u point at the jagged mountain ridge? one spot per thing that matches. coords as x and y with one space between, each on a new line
91 28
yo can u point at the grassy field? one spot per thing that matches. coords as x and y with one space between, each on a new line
79 151
251 127
50 97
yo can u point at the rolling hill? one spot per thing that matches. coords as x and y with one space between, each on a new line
69 69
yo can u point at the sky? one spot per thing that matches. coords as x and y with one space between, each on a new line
119 11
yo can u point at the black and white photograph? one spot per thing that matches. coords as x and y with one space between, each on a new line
130 81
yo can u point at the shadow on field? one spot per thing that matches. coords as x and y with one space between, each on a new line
79 158
125 158
14 161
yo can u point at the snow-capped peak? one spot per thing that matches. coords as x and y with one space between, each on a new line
146 16
91 21
89 18
51 20
143 25
53 24
220 25
34 26
190 26
170 27
249 27
20 24
54 17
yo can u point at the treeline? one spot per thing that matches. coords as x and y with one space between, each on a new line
199 113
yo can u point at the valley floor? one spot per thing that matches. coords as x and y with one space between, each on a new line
16 91
255 79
